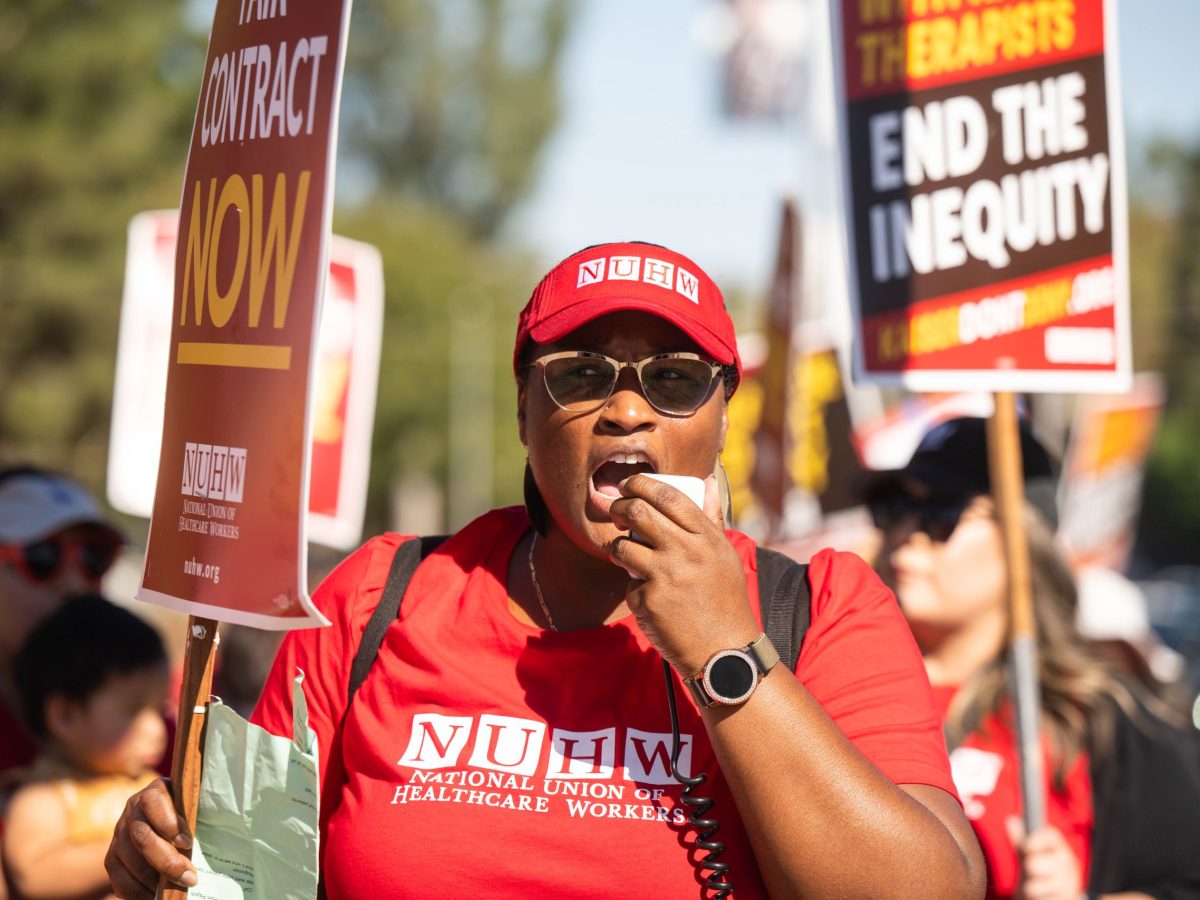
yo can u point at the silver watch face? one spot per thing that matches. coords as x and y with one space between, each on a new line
730 676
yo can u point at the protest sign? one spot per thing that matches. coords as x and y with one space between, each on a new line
984 193
770 477
345 379
343 411
227 533
790 450
762 45
827 465
1102 473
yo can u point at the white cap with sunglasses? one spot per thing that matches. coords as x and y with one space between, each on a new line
35 505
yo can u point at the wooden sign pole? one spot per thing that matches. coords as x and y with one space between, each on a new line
199 654
1004 459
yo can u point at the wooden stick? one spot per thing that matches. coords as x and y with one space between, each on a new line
199 655
1004 460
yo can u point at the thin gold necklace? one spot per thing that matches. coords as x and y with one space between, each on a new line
538 588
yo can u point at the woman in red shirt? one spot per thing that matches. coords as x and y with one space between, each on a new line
1122 788
512 737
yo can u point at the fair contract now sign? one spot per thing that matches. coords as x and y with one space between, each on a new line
228 530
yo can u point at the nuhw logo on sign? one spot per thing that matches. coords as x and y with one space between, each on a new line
214 472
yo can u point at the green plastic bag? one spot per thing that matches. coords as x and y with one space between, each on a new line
257 834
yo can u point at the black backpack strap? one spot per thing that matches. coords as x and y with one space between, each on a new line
404 563
784 598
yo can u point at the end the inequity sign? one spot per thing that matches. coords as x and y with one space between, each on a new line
227 533
984 190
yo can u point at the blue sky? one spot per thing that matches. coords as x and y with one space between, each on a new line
643 153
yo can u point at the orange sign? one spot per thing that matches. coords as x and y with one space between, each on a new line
227 533
1102 473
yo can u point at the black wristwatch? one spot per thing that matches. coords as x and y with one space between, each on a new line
730 676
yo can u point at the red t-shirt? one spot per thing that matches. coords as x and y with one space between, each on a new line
17 747
17 751
988 777
487 757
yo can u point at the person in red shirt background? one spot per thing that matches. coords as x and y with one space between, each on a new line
1122 784
509 740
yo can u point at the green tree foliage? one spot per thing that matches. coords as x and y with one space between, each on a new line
1183 361
432 264
446 106
1169 530
95 113
450 101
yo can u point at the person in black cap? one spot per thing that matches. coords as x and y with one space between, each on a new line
943 556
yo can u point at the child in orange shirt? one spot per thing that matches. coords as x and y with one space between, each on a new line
93 683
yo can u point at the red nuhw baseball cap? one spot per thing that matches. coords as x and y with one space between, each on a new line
607 278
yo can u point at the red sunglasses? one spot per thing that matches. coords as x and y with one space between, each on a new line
43 560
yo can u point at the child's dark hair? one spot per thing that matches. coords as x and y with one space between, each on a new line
74 651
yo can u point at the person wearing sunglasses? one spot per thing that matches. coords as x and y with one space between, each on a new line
512 738
1122 788
54 543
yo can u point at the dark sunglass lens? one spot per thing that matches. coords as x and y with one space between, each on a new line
43 558
940 517
677 385
97 557
888 509
579 381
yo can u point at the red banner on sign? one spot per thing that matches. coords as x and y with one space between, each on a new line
914 45
227 533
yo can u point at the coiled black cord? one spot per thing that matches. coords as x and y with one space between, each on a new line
718 878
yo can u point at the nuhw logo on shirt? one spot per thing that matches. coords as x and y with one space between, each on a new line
523 747
519 764
976 773
640 268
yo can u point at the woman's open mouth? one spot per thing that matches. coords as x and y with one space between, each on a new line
614 469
